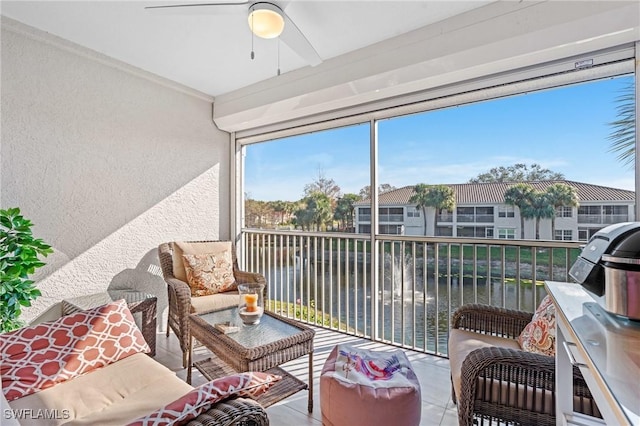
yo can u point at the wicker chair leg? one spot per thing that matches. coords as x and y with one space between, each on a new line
184 359
168 328
453 393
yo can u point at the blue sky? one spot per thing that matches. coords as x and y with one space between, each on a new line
562 129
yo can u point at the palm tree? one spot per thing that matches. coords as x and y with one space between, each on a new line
561 195
623 137
436 196
440 197
344 209
539 207
303 218
519 195
319 208
421 198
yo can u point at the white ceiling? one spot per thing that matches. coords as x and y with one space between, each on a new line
210 52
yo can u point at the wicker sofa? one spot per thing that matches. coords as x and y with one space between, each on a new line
181 303
494 380
118 393
93 368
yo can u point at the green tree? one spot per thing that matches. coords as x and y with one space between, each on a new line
256 213
316 210
561 195
623 136
289 208
303 218
344 209
19 258
441 197
421 198
436 196
539 207
519 195
280 207
517 173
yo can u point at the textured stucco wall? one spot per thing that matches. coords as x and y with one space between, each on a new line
108 161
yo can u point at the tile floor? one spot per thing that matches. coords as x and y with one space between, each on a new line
433 373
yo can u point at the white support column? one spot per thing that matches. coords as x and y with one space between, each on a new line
637 151
373 273
236 206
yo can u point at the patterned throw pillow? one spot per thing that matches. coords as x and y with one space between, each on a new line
38 357
539 335
209 273
199 400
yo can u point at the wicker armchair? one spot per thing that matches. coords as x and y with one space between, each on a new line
237 411
179 295
498 382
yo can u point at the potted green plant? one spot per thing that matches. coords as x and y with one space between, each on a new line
19 252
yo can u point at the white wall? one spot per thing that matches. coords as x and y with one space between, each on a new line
107 161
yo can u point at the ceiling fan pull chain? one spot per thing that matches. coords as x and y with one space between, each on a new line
278 55
253 55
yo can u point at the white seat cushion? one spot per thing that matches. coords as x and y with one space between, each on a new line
462 343
113 395
213 302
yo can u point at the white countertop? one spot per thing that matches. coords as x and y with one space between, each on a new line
609 344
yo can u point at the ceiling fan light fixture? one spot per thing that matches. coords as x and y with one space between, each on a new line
266 20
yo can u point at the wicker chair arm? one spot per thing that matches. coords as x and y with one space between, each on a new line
485 319
180 309
488 366
531 373
237 411
182 291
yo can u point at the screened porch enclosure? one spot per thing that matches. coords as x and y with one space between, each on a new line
404 267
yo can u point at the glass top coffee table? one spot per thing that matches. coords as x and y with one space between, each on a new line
261 347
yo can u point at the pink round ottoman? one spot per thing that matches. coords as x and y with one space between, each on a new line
361 387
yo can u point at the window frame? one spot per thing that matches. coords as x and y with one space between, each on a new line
610 62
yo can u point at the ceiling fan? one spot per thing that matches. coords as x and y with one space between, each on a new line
266 20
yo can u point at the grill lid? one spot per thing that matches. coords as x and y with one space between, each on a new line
628 247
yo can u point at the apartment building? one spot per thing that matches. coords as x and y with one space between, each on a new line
482 213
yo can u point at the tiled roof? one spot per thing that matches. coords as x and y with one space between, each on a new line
493 193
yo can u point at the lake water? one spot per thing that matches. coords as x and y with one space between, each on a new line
414 308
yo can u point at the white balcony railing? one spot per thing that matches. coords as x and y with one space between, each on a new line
408 296
477 218
602 219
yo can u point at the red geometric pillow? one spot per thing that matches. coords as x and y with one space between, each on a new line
188 407
40 356
539 335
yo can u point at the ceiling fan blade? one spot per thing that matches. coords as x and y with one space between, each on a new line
293 37
221 8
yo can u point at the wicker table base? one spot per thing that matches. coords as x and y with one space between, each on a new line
213 368
263 347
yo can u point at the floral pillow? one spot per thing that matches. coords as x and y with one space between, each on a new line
209 273
40 356
199 400
539 335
